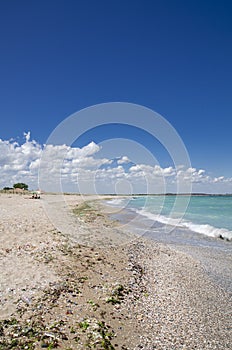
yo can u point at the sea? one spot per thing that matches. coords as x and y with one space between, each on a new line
199 225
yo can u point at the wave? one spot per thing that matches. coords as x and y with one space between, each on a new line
115 202
204 229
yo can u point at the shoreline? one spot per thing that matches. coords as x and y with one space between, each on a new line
213 253
135 295
201 228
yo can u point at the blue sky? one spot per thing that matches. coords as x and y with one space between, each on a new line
174 57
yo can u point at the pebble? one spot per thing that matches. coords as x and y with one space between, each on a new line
180 308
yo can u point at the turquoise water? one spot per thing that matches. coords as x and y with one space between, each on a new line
207 215
187 224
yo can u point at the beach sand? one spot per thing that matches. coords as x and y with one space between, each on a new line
76 280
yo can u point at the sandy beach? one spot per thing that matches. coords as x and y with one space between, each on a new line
72 279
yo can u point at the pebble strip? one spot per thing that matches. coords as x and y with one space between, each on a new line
175 303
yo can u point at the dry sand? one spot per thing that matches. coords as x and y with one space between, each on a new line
77 280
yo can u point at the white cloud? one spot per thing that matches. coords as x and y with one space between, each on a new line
219 179
123 160
82 168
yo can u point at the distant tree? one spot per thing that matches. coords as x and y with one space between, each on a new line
21 185
7 188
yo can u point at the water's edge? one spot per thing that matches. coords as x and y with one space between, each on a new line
214 254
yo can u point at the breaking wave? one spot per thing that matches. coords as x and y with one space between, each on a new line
204 229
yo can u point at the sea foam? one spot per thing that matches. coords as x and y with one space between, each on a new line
204 229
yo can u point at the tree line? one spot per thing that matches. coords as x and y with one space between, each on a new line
20 185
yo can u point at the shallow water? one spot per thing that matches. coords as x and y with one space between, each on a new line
208 215
214 254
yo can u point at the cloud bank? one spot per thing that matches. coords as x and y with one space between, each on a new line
82 170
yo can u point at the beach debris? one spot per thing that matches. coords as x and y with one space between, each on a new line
26 299
117 294
93 304
99 334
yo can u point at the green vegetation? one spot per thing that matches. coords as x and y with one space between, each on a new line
98 334
117 295
21 185
93 304
84 325
82 208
